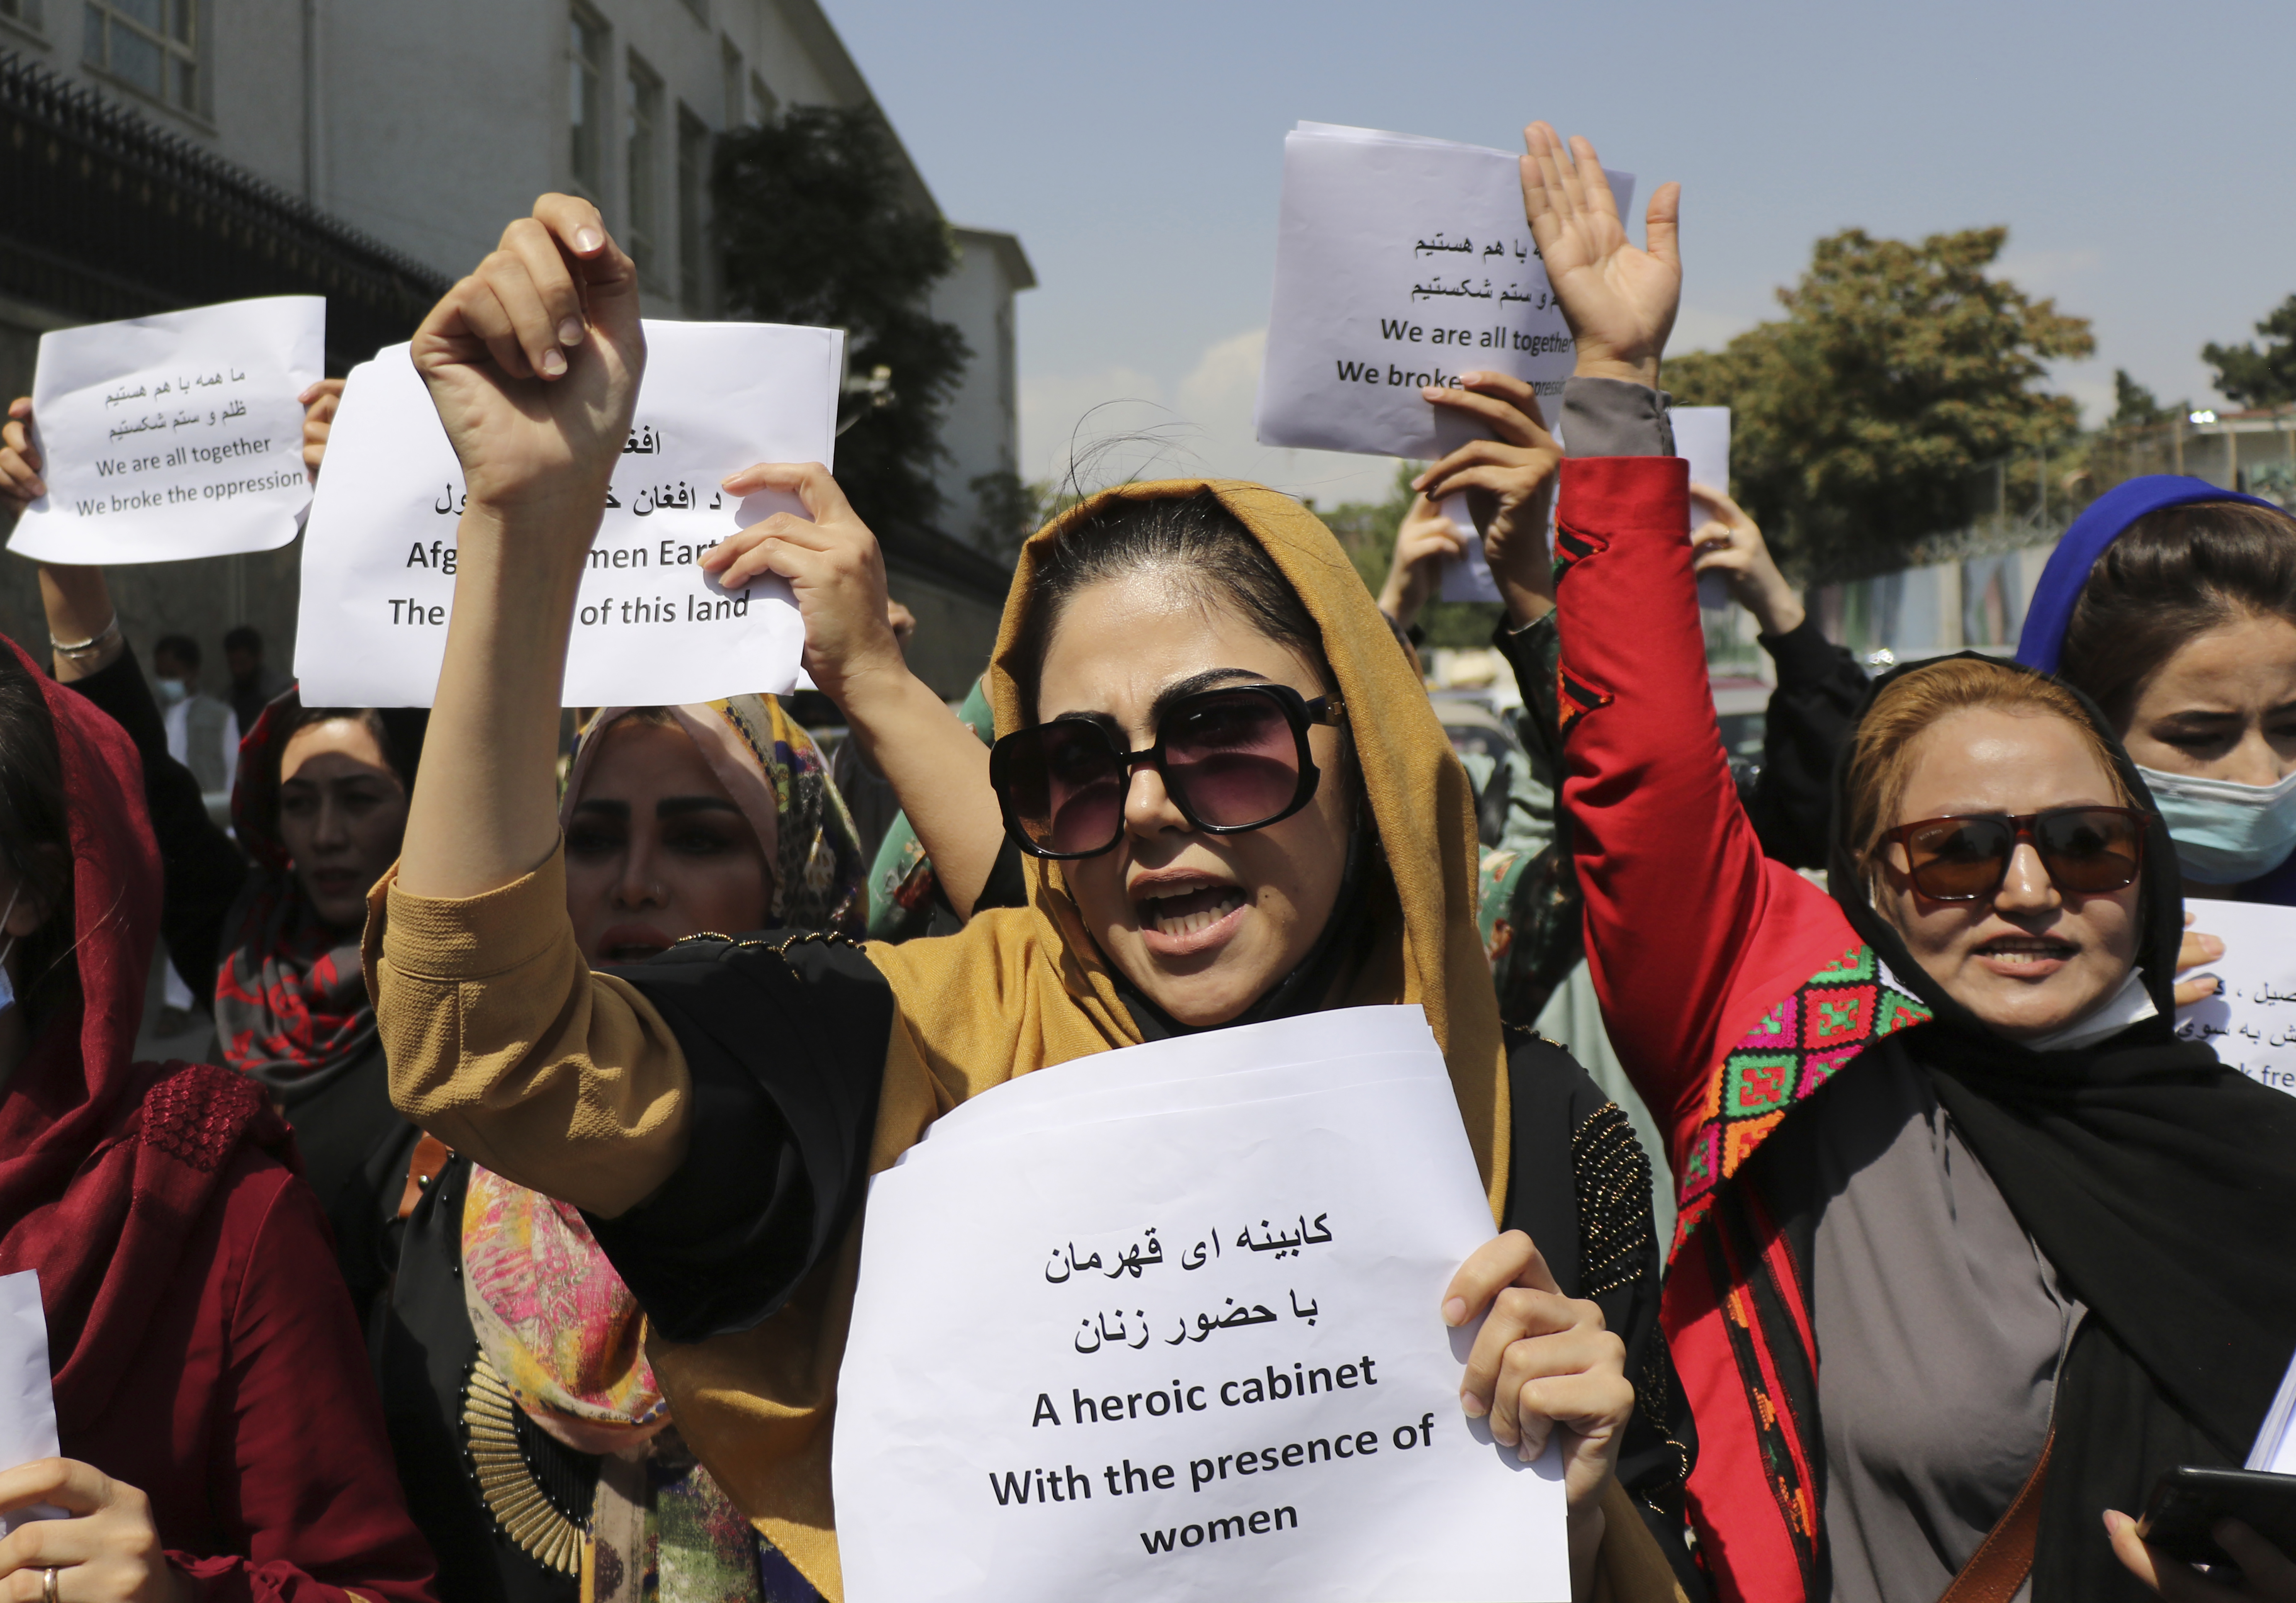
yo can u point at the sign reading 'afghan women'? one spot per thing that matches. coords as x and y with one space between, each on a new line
649 627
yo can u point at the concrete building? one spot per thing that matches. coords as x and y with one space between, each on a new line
176 152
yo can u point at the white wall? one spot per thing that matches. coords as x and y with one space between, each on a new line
982 431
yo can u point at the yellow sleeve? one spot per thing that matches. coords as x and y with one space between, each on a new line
504 1045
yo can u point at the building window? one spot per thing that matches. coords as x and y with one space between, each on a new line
763 107
586 103
729 67
693 192
148 45
642 233
27 12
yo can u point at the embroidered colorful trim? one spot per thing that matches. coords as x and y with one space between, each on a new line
1799 1045
1572 544
1574 701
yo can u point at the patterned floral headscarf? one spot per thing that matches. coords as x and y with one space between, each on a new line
777 777
551 1314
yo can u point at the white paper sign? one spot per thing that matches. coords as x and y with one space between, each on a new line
650 627
1161 1325
2252 1020
1702 436
174 436
1470 577
1401 261
28 1402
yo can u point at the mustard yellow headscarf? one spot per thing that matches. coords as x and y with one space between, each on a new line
1020 989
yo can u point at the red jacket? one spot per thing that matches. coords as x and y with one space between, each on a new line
202 1345
249 1418
1732 989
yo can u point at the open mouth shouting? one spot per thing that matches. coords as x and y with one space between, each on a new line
1186 913
2026 956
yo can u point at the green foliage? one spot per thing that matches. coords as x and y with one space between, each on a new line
2251 377
2134 406
1898 368
819 225
1012 508
1365 529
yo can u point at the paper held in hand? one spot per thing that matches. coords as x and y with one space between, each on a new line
1163 1324
1402 261
27 1401
174 436
649 627
2252 1020
1701 435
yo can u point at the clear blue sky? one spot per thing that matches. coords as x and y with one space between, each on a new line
2135 154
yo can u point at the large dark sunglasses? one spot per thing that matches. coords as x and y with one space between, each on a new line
2087 851
1232 758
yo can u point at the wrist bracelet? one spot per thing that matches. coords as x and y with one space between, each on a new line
90 646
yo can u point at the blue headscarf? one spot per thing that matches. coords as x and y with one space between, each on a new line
2043 637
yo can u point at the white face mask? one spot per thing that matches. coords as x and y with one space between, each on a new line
172 691
2226 834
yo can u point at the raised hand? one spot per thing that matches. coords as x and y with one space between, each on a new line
1730 543
319 404
1423 542
533 362
1619 301
1509 480
833 563
20 484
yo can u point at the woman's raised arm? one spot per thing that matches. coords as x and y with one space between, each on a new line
533 362
1678 896
500 1040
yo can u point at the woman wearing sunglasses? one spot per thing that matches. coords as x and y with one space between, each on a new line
1238 805
1970 1248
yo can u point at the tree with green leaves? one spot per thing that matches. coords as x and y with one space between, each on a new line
2133 405
818 224
1898 368
2250 377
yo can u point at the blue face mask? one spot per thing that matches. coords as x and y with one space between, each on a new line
2226 834
172 691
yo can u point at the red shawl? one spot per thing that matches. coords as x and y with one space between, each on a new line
106 1164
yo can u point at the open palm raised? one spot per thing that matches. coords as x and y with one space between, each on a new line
1619 301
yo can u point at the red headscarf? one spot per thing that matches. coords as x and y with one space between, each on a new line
106 1164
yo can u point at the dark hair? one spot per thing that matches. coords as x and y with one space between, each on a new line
35 839
396 731
243 637
2171 575
1194 542
182 647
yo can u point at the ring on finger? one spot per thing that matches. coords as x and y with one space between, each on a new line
48 1586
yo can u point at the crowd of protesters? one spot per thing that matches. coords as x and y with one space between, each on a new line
506 1252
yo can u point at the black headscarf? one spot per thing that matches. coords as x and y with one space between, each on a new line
2158 1183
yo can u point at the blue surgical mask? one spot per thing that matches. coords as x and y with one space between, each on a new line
2226 834
172 691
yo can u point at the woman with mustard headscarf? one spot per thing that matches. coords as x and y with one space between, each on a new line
714 1112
